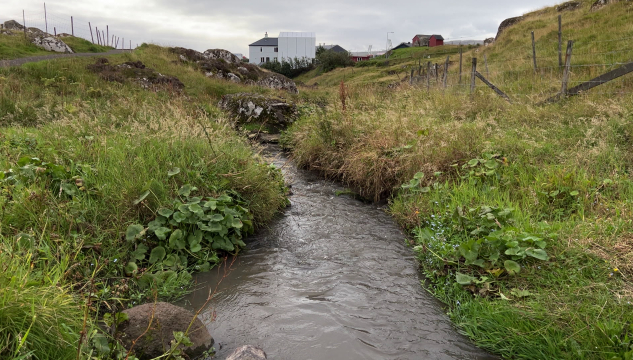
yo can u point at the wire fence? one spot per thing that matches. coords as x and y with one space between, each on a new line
57 24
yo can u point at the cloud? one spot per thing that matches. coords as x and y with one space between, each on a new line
232 25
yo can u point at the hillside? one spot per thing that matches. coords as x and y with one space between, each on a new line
93 150
520 213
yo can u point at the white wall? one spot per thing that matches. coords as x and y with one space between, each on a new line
256 53
291 47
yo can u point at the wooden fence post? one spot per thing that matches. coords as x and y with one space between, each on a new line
428 76
534 52
107 35
570 45
103 38
472 76
496 89
560 40
72 27
460 65
411 77
24 23
55 30
419 67
45 18
92 37
446 71
97 31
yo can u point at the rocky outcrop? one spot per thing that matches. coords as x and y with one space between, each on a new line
568 6
137 72
50 43
247 352
155 340
13 25
599 4
221 64
506 24
274 114
489 41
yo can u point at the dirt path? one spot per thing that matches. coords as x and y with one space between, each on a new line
18 62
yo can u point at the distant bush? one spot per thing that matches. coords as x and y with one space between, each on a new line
330 60
291 67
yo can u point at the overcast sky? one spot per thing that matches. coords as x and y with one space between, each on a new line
233 24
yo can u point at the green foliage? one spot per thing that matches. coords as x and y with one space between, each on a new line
330 60
191 232
483 168
290 67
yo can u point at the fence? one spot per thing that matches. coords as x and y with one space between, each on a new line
61 24
566 68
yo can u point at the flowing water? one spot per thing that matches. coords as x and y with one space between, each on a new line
330 279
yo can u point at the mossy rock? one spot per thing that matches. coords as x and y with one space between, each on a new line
246 109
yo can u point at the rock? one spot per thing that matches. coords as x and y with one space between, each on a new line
247 352
224 65
50 43
506 24
137 72
569 6
167 318
599 4
489 41
13 25
222 54
272 112
233 78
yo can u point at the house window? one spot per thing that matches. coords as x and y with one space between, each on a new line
261 60
261 49
276 49
267 59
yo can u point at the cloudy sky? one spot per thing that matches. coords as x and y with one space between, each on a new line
233 24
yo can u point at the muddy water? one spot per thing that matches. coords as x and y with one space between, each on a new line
330 279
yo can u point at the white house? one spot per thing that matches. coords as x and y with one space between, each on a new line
288 45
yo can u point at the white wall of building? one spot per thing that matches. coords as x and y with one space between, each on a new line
256 53
296 45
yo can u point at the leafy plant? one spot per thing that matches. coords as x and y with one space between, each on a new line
484 167
190 233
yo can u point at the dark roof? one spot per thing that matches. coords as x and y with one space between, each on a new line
335 48
403 45
438 37
267 41
423 36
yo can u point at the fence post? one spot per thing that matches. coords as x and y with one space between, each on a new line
560 40
103 38
428 76
534 52
45 19
446 71
472 76
24 23
55 30
570 45
97 31
437 74
107 36
486 63
92 37
411 77
460 65
419 67
72 27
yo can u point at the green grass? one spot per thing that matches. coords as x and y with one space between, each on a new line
15 46
80 45
100 146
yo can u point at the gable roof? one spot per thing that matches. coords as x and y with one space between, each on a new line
402 45
423 36
267 41
335 48
438 37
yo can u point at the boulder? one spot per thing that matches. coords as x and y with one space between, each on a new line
274 113
13 25
50 43
489 41
166 319
506 24
247 352
599 4
137 72
277 81
568 6
222 54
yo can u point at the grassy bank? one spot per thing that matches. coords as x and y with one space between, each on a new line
100 185
520 214
15 46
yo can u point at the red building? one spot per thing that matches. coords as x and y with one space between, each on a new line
428 40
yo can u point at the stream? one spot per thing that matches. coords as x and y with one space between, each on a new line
331 278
